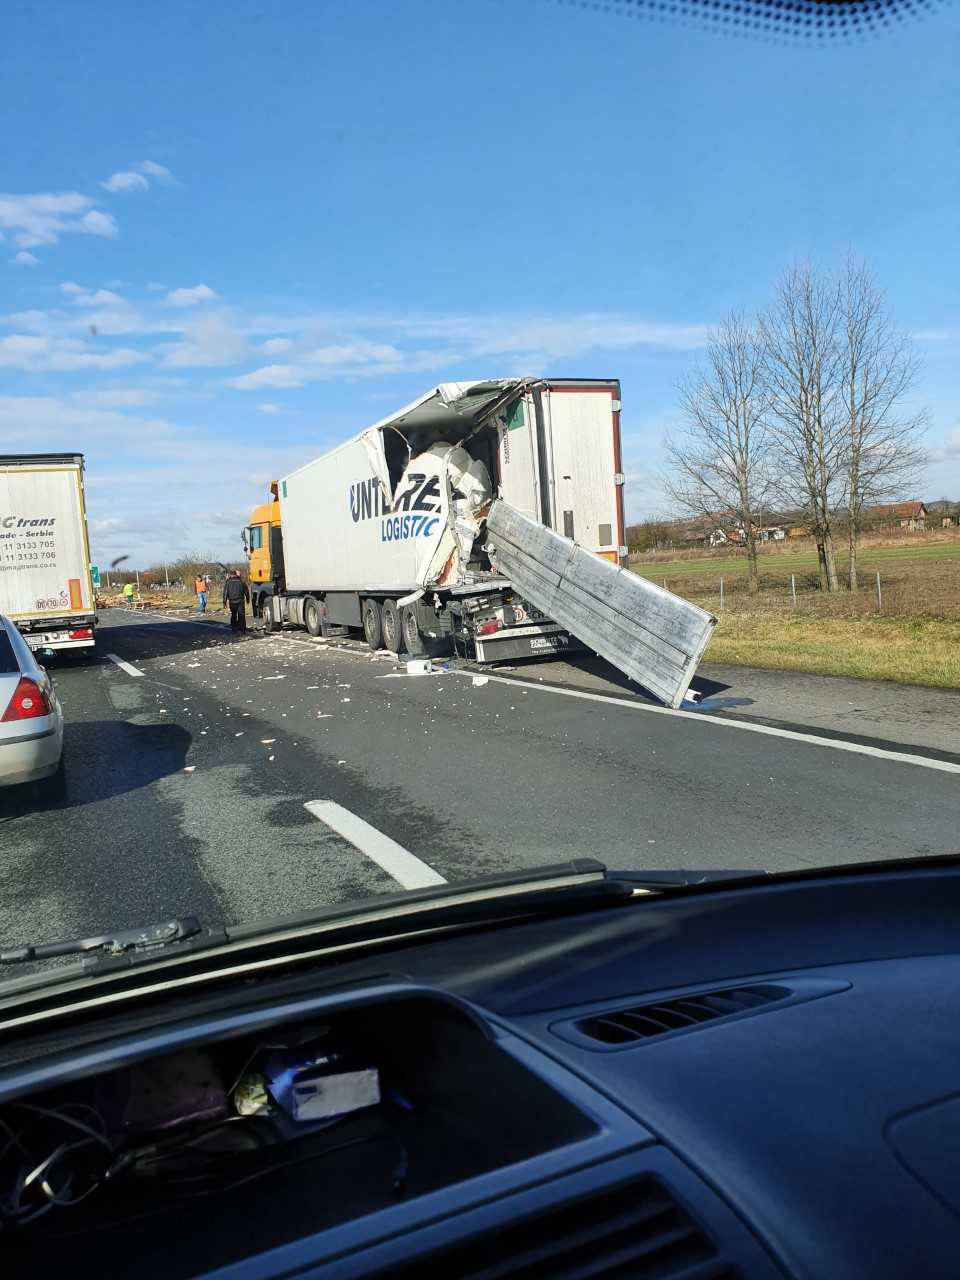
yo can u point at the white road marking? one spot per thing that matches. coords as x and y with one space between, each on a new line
696 717
125 666
407 869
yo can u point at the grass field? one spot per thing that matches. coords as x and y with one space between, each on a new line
913 637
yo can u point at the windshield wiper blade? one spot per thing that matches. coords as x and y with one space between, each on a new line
116 943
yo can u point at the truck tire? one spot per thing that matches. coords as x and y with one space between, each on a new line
269 625
390 624
372 624
413 639
312 616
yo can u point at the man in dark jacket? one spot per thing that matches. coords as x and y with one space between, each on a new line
235 594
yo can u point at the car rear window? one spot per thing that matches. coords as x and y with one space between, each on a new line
8 659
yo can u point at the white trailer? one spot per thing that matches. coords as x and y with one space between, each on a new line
405 531
45 579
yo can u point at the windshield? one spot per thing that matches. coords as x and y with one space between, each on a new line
421 464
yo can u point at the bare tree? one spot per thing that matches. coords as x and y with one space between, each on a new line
882 455
719 458
802 370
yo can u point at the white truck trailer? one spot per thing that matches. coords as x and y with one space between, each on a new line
46 586
486 516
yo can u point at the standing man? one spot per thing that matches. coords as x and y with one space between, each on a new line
200 586
235 594
128 593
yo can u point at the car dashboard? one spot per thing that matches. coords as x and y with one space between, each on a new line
752 1081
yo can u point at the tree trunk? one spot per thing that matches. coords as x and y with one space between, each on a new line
822 561
830 562
854 538
753 569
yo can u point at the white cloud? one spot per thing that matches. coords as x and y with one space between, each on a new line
190 297
70 286
270 408
24 259
159 171
276 346
43 354
41 218
155 287
353 353
271 375
211 339
98 298
114 397
126 180
100 224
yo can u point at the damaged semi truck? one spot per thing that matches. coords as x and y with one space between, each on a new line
485 518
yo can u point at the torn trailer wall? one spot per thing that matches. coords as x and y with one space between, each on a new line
651 635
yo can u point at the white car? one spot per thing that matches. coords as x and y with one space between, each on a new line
31 718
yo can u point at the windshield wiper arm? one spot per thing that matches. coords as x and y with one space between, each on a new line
116 943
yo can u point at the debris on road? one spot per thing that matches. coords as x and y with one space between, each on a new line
477 681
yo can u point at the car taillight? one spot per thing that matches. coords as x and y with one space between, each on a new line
28 702
488 628
81 633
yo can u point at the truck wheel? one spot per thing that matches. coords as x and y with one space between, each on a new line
413 640
392 633
372 624
269 624
312 616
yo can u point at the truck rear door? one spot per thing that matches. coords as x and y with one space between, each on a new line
44 561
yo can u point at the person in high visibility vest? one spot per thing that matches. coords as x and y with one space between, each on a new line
129 590
200 586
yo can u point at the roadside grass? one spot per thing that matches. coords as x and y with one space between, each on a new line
909 650
912 635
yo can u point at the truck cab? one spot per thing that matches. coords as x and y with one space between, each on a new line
263 544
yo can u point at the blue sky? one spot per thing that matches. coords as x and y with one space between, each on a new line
234 234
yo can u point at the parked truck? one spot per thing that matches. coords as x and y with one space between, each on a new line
485 517
46 584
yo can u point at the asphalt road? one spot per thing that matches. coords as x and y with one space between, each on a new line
187 783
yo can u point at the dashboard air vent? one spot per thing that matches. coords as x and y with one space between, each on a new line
636 1230
644 1021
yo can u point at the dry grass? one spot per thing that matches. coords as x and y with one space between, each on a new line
914 637
908 650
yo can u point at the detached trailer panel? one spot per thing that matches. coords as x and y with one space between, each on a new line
652 635
44 555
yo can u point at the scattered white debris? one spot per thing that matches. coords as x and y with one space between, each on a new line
267 741
341 762
239 735
163 711
324 715
189 768
419 667
312 686
344 699
477 681
274 677
270 757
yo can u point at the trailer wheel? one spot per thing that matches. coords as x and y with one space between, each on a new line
413 640
392 632
312 616
269 623
372 624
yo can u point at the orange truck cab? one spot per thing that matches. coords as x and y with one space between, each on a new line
263 544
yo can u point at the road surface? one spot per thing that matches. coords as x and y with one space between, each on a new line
192 756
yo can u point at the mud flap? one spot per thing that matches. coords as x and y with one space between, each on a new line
651 635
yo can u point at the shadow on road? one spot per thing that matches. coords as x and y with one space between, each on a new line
103 758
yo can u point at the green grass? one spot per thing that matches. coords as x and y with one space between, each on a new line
787 561
908 650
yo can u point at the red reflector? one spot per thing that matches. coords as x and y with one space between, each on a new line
488 628
82 633
28 702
